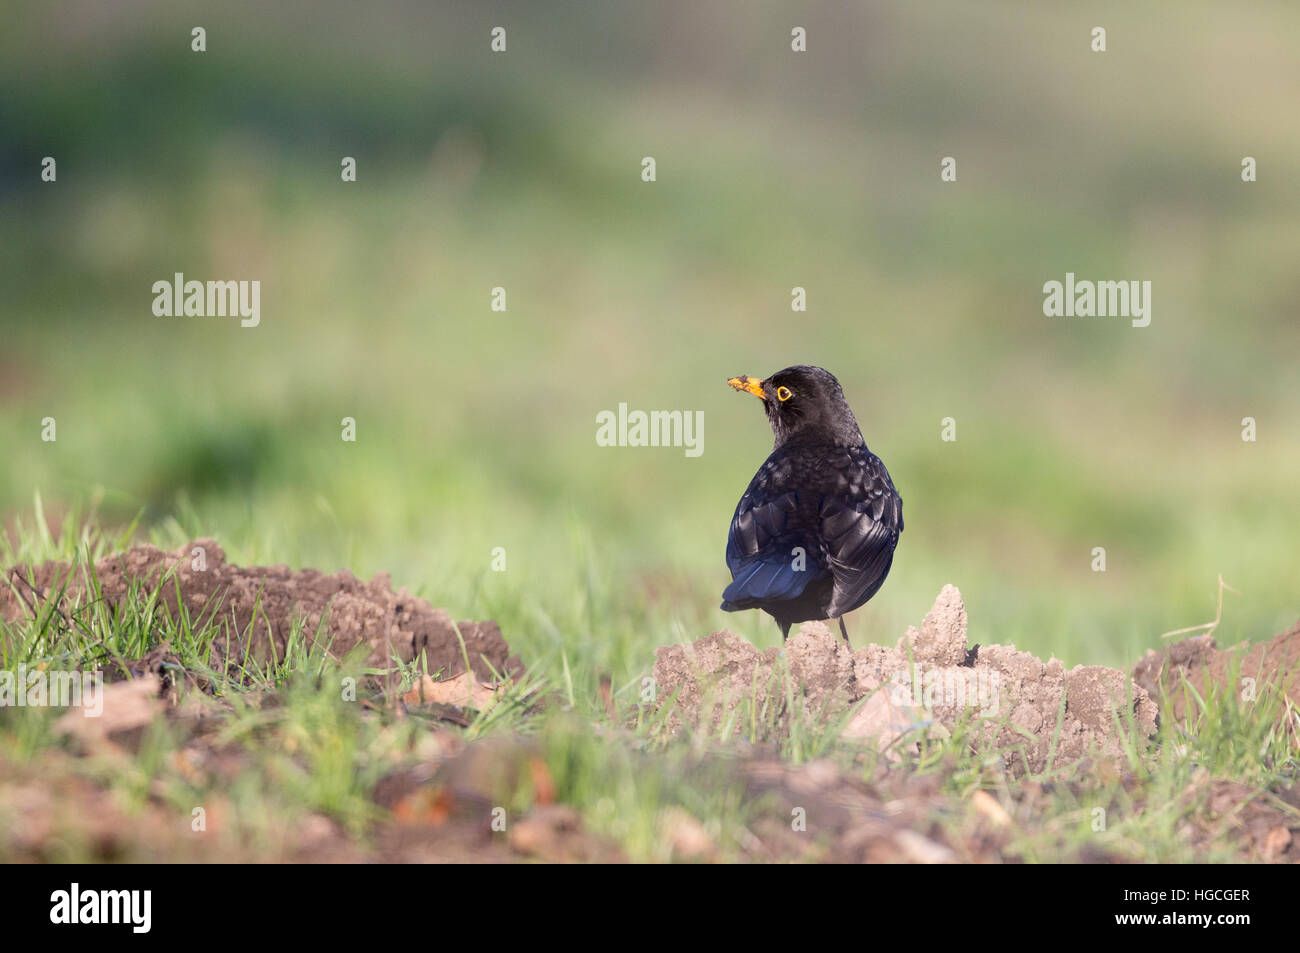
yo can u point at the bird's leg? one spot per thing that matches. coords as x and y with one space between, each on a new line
785 630
845 632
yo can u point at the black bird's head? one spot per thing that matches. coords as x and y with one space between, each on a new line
804 404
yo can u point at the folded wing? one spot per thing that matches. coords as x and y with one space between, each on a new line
769 559
859 526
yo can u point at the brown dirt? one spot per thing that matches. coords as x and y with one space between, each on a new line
439 810
930 676
367 617
1273 666
437 807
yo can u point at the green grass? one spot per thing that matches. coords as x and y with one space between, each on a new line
476 429
305 748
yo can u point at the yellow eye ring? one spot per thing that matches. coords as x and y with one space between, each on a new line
783 393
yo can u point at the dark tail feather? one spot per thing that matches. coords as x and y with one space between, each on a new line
765 581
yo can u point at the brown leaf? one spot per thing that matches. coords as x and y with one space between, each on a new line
986 804
543 783
687 835
1275 843
922 850
464 690
607 696
426 806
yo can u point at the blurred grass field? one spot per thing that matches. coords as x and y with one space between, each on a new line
476 429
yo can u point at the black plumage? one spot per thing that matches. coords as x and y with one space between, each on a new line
814 535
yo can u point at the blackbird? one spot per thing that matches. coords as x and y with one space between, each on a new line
814 535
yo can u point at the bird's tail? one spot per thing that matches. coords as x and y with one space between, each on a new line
763 580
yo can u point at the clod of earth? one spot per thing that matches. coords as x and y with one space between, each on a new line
1196 663
1010 702
258 606
123 707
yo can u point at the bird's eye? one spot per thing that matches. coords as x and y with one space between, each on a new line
783 393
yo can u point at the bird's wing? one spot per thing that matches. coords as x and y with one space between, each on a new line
761 543
860 522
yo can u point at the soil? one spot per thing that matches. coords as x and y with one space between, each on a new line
258 606
1198 663
1012 701
437 806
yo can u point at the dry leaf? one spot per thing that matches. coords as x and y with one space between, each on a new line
1275 843
922 850
689 839
464 690
543 783
987 805
429 806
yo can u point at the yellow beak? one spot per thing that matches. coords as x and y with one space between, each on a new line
751 385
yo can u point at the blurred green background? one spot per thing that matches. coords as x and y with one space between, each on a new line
476 429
